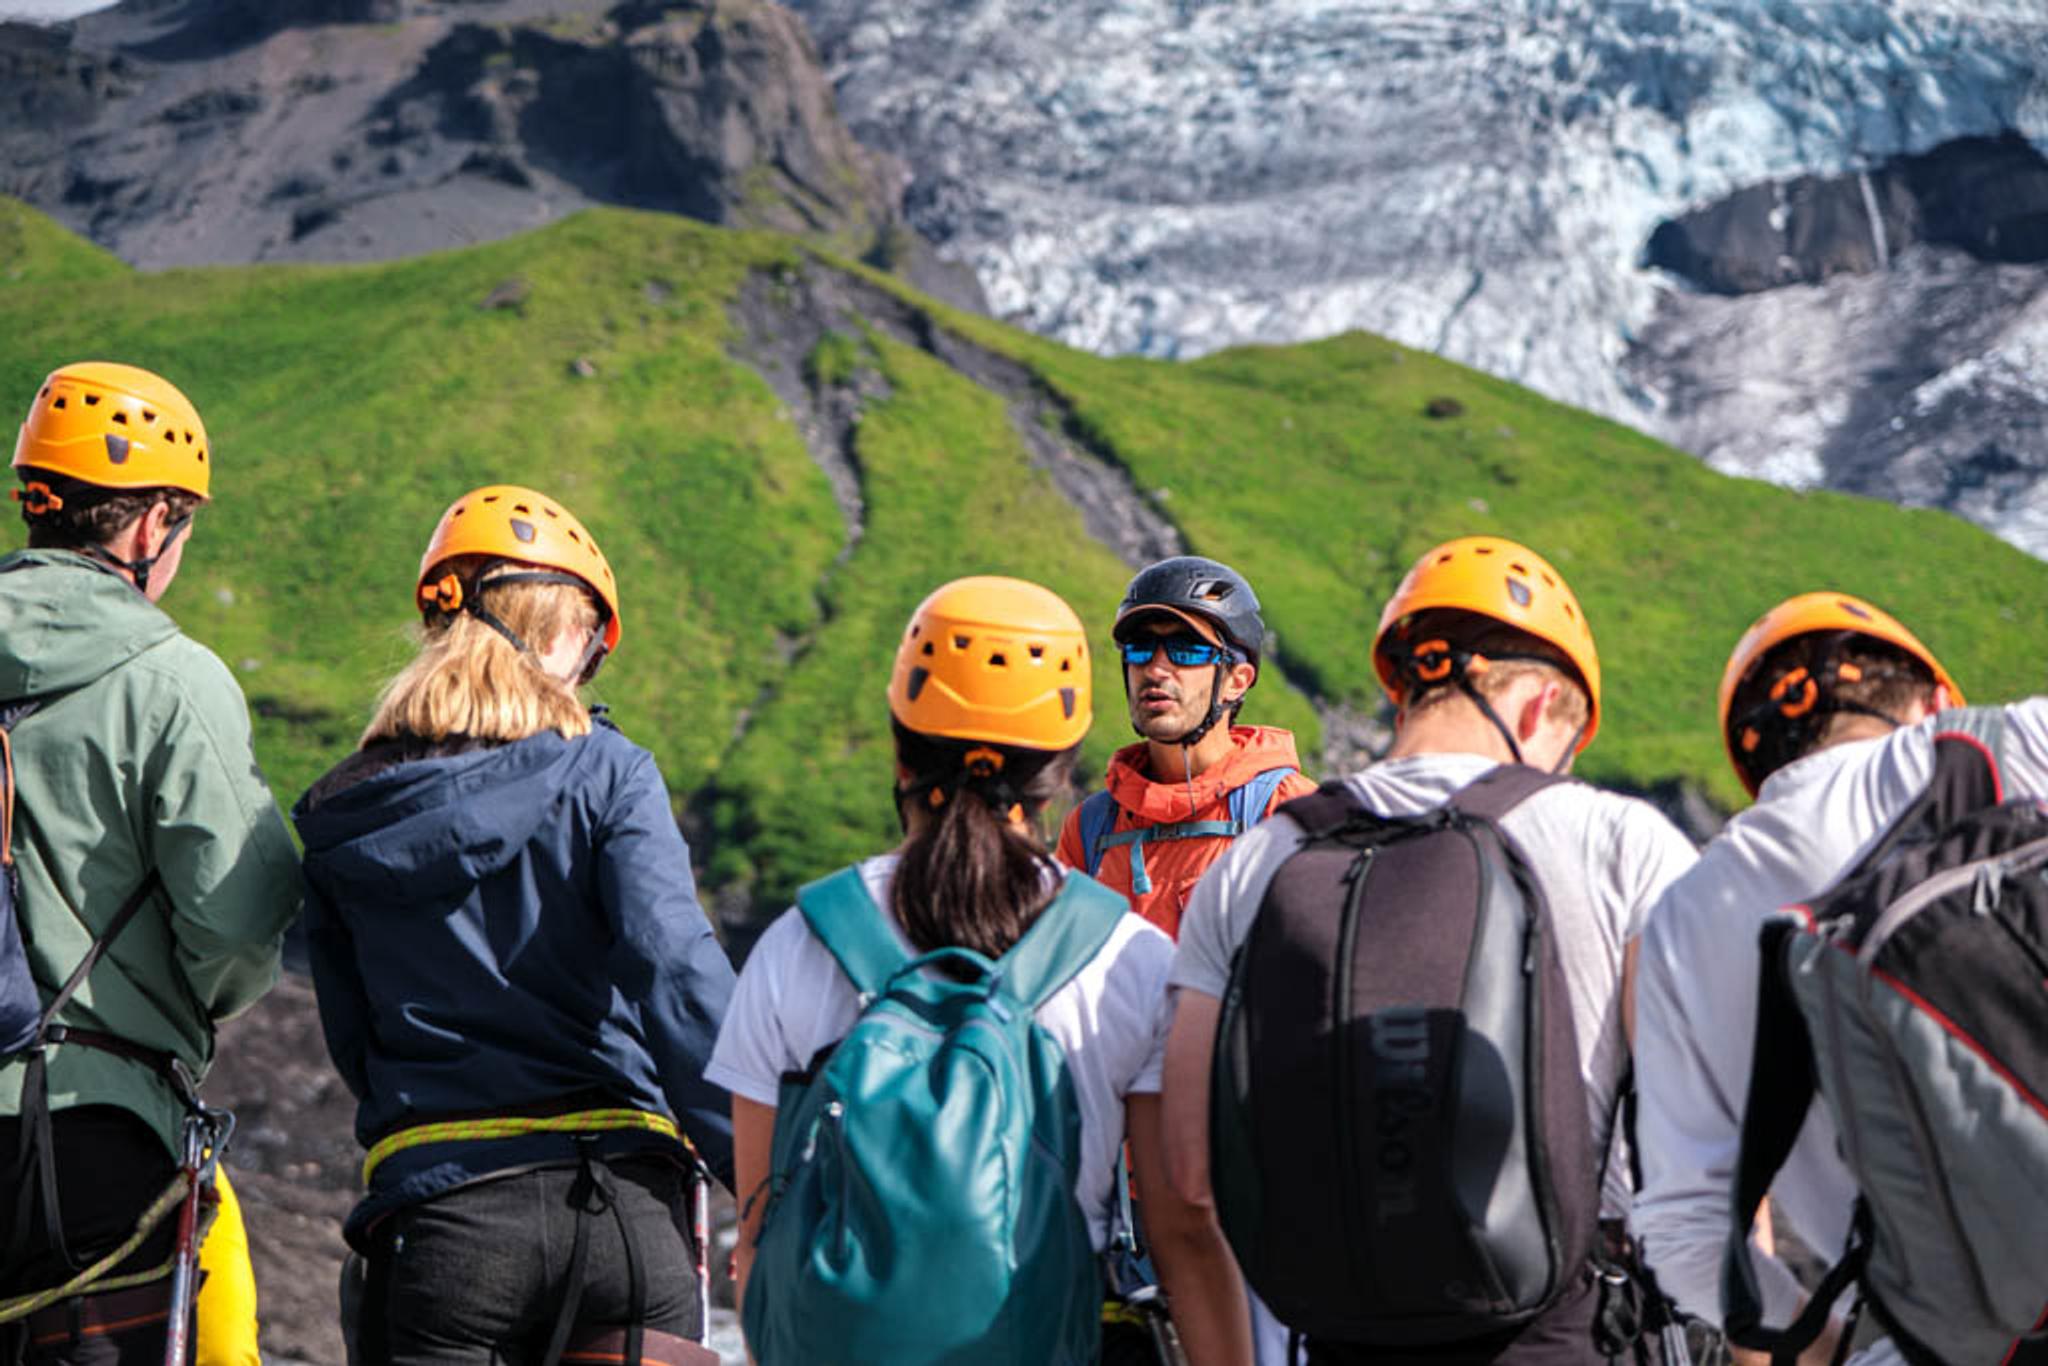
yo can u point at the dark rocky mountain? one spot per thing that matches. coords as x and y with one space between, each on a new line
1987 197
181 132
1885 332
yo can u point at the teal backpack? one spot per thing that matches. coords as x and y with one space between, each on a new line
921 1206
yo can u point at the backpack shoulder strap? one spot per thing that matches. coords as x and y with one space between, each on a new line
1969 746
1098 816
1325 810
1781 1090
1248 803
1492 795
45 1027
1966 778
847 922
11 714
1062 940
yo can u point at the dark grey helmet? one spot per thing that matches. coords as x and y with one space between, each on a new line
1192 585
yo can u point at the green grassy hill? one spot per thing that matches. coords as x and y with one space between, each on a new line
615 361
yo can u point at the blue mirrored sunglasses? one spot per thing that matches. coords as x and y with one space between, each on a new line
1184 651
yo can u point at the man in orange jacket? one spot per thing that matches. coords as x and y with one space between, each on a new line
1190 632
1191 635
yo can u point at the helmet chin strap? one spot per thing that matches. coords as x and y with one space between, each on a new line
472 603
1433 662
1217 706
138 569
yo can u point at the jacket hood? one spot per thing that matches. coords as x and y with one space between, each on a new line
1253 750
65 620
424 828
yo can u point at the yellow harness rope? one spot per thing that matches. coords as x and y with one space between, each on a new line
94 1279
465 1130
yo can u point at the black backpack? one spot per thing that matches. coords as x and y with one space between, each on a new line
1400 1145
1913 998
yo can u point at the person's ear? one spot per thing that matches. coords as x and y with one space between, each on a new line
1535 707
144 537
1238 681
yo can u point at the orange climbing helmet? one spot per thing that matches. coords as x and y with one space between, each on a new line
1490 577
1799 690
114 427
507 522
994 659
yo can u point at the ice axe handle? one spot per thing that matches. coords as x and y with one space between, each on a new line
700 1233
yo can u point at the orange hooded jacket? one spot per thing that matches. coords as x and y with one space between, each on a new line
1176 865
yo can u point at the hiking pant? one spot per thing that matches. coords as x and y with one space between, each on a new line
481 1274
110 1166
1562 1336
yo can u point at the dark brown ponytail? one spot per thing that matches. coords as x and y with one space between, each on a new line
968 878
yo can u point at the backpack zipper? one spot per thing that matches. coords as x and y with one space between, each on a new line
1347 1074
1949 880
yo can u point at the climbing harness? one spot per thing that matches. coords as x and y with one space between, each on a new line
514 1126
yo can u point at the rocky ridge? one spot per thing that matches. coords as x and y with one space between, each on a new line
218 131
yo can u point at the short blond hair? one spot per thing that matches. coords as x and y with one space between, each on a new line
468 680
1483 635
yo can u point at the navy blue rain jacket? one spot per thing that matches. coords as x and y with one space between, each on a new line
503 929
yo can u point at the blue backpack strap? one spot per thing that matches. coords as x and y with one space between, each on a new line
1141 878
1066 935
1247 808
1248 803
856 931
1098 814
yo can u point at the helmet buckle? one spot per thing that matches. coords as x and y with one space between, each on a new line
444 594
37 498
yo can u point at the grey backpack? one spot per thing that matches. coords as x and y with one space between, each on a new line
1913 997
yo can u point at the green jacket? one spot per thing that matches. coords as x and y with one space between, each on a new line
140 757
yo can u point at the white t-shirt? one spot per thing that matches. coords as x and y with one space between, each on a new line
1696 1001
1111 1018
1602 859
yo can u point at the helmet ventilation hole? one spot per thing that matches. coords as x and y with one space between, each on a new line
121 418
91 400
1038 652
962 642
1066 666
928 649
999 661
148 416
58 404
491 498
